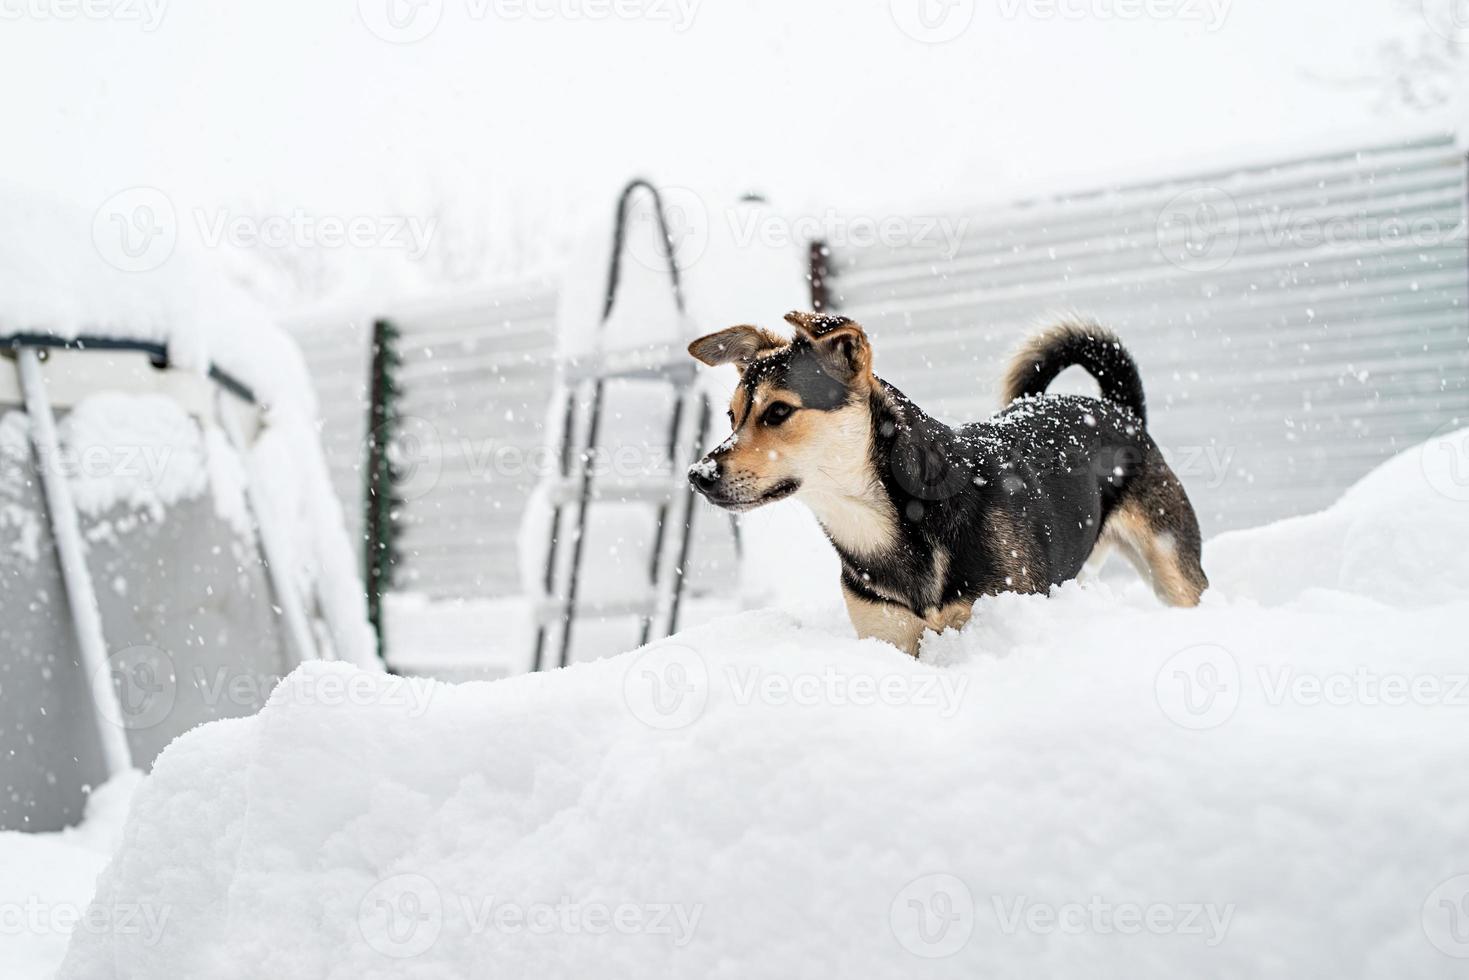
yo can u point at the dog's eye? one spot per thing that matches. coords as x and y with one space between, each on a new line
777 413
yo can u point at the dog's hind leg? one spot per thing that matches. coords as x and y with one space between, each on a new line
1154 525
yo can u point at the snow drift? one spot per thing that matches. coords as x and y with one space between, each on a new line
1082 785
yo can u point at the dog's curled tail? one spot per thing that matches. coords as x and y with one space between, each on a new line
1082 342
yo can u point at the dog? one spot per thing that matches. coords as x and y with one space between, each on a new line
927 518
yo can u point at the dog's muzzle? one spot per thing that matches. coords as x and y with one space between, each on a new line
704 476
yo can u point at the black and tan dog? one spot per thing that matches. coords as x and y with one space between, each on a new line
927 518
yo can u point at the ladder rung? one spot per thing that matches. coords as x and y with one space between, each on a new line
661 363
653 490
552 610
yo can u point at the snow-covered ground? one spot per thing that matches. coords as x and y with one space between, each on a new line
1082 785
46 883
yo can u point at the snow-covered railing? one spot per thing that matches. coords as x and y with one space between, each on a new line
1297 319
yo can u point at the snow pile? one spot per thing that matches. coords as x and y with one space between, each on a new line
1400 536
1081 785
63 275
46 884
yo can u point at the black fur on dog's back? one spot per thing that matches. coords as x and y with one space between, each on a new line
1077 342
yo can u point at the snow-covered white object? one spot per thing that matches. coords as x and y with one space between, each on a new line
65 276
1076 785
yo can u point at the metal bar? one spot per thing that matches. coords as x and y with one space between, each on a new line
66 532
158 352
659 528
593 425
688 527
377 502
552 547
619 234
273 550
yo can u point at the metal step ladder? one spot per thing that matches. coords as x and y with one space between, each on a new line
576 488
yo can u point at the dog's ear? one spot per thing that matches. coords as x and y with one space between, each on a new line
736 345
840 343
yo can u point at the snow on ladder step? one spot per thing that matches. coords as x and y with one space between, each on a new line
552 610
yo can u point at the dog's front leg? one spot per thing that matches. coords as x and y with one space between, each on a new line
885 621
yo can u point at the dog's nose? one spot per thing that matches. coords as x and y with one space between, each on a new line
704 475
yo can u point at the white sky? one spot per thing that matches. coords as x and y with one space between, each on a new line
297 103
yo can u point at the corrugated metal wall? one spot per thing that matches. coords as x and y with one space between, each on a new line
476 381
1296 322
